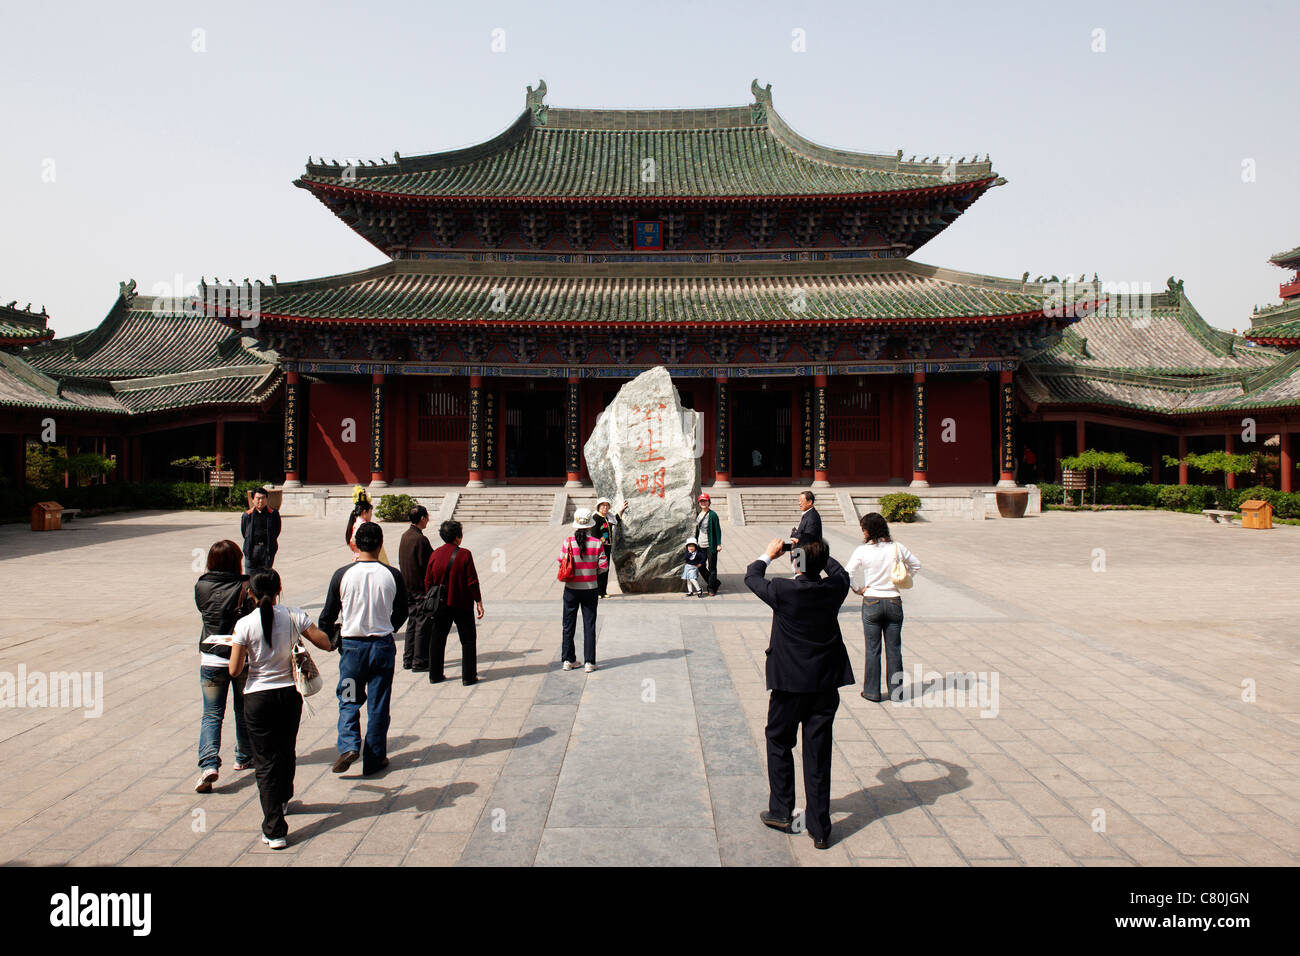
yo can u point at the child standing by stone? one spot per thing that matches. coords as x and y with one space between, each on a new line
694 559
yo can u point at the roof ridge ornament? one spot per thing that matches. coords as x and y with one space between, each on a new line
762 101
534 104
126 290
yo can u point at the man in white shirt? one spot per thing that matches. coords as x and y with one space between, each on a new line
367 599
882 604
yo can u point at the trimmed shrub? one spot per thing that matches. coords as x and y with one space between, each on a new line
1051 492
395 508
1188 497
899 507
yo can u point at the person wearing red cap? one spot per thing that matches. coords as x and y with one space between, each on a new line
708 535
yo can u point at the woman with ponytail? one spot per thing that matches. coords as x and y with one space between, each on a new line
272 705
362 512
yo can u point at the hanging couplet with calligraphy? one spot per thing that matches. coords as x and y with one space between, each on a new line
291 416
1008 427
377 427
475 428
821 459
489 429
721 446
920 447
572 437
806 429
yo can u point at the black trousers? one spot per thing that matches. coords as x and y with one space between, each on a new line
711 572
272 717
419 629
816 712
602 578
463 618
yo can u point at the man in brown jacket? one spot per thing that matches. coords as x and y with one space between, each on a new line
454 565
413 558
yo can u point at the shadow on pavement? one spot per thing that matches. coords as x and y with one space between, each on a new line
895 795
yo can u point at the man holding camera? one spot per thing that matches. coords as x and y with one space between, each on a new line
807 663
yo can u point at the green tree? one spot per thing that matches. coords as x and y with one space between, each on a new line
45 465
1111 462
1215 462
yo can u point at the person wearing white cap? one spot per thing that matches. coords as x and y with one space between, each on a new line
581 558
604 530
708 533
692 561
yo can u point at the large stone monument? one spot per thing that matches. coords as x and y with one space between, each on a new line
645 450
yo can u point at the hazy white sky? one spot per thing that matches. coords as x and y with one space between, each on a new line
167 161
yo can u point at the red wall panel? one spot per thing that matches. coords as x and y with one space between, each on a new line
330 460
968 459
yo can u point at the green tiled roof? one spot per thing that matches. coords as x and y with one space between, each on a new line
239 386
1169 338
24 387
414 291
22 326
139 339
1281 321
745 151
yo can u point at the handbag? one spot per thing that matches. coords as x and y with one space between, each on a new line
900 574
306 675
435 599
567 571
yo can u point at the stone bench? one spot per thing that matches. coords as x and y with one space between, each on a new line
1219 516
70 513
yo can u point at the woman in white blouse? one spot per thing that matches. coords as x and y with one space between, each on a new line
882 605
272 705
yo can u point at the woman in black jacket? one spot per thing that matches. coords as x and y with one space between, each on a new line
221 595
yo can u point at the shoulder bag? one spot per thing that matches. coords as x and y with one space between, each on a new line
900 574
435 599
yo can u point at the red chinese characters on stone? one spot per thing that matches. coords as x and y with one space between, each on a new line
646 428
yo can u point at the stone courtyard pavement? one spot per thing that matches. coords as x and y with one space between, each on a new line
1129 698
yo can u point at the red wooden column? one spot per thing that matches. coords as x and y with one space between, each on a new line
1006 430
378 424
221 443
920 441
1287 459
573 434
1182 459
1080 436
821 450
293 435
722 440
1058 451
1229 445
475 432
1155 464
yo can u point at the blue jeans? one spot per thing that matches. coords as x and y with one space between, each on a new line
586 599
883 617
366 677
215 682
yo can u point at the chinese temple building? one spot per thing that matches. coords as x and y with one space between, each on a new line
526 278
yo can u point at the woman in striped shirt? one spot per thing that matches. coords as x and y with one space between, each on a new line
582 590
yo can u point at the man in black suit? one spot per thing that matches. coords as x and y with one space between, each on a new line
810 522
807 663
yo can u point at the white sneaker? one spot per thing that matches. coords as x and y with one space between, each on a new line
589 667
206 779
570 666
279 843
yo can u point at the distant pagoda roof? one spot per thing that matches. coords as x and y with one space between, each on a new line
23 326
739 152
1287 260
1276 325
420 293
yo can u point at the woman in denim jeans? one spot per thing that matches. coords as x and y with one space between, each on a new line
882 605
221 595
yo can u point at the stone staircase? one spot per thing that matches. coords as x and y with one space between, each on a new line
497 506
781 508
